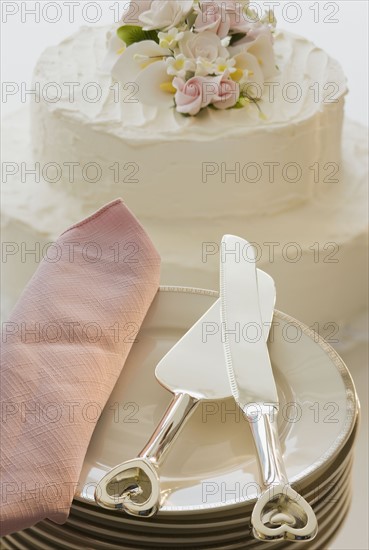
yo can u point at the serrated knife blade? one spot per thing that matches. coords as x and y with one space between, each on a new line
289 516
248 364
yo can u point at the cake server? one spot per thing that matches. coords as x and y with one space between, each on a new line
280 512
192 370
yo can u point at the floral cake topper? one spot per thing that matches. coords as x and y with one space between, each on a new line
196 53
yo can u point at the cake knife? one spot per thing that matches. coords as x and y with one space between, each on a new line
192 370
280 512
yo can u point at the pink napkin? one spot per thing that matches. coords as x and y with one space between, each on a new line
64 347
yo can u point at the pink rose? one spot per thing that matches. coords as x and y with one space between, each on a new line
238 20
228 92
253 31
133 11
213 17
195 94
259 29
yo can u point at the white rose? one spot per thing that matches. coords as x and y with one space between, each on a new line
205 45
165 14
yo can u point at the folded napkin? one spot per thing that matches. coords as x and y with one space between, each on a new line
63 349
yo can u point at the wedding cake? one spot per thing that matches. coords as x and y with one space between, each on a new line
206 120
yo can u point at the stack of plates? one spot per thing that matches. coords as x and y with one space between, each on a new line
210 478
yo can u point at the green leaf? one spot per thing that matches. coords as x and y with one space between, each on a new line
191 18
131 34
236 37
238 105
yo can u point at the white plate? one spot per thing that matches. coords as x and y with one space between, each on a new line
218 519
213 464
52 536
321 500
80 518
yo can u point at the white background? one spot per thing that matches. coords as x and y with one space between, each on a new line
339 27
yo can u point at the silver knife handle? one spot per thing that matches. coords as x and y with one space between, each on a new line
280 512
134 485
263 424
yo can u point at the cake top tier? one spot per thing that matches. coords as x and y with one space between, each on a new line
305 81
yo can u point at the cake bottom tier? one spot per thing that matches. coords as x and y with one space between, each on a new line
317 253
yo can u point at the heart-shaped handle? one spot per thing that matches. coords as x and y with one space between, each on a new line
132 486
282 514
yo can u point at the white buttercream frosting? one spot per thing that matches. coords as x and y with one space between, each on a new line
303 69
313 289
212 167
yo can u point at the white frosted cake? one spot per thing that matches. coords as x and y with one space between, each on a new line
183 163
269 166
